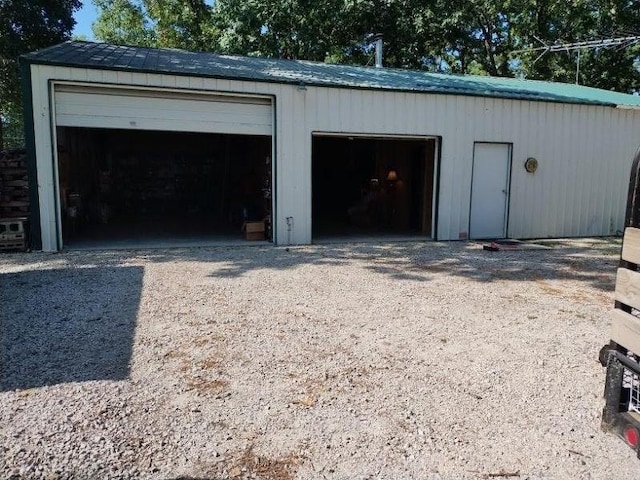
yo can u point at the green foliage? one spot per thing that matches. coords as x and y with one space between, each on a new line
123 22
12 125
182 23
186 24
26 26
290 29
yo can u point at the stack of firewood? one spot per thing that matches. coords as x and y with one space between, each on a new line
14 184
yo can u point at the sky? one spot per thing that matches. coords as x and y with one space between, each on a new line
84 18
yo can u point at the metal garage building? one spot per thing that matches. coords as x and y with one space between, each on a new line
313 150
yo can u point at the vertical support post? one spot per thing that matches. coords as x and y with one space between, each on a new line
612 391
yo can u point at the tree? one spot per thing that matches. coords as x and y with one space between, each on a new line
295 29
338 31
123 22
24 27
185 24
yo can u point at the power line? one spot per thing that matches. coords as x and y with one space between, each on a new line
561 47
620 42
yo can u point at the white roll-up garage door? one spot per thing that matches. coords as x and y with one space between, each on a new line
122 108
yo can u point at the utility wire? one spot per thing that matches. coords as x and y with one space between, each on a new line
561 47
619 42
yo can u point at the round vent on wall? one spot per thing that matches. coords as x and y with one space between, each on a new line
531 165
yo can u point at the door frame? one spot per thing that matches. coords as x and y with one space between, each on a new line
509 176
437 152
52 84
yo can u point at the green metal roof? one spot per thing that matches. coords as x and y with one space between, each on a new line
180 62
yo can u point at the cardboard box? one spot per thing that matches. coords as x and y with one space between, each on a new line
254 230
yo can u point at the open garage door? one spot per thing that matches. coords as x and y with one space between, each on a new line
122 108
162 168
373 187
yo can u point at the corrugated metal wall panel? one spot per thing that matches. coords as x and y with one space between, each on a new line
584 164
92 75
584 152
181 82
79 75
293 191
440 122
44 163
196 83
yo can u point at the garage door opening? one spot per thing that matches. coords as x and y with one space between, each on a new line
161 188
372 187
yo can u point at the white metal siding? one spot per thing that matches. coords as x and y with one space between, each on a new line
104 107
584 152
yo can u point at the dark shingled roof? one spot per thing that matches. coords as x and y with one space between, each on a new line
180 62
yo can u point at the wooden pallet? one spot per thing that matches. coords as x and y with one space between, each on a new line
14 184
625 327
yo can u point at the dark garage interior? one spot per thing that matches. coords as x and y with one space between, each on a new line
372 186
171 187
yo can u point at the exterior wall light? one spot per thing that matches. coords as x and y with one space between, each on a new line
531 165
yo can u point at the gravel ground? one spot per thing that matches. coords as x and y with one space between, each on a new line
395 361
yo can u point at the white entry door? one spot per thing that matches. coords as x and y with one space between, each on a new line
490 190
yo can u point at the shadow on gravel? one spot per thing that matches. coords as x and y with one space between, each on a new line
67 325
592 260
594 264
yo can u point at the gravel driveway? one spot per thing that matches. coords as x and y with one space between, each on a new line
394 361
